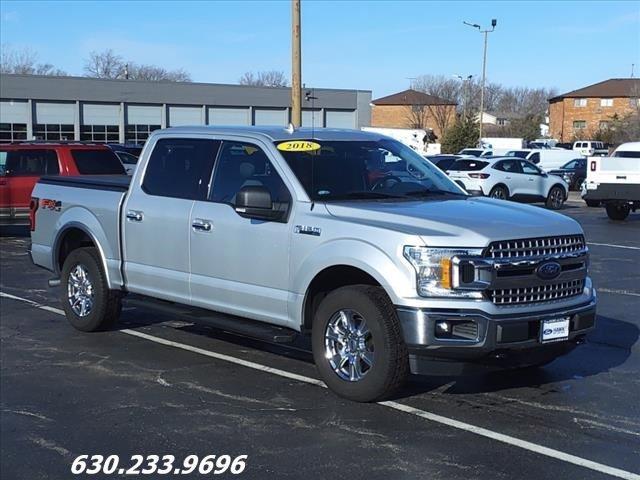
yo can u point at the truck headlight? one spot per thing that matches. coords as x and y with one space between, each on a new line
433 270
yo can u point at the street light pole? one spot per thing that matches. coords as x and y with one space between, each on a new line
494 22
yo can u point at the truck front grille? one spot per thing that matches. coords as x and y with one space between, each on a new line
534 294
536 247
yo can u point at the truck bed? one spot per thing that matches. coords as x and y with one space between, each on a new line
90 202
118 183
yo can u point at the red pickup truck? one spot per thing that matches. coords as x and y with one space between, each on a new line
22 165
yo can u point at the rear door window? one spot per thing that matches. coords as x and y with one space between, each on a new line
510 166
31 163
468 165
97 162
181 168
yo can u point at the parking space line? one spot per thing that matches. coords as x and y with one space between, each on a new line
506 439
618 292
613 246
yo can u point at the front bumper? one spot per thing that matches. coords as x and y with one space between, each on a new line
498 341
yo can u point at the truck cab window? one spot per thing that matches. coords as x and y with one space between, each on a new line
180 168
241 165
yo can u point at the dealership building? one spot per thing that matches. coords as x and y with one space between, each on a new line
126 111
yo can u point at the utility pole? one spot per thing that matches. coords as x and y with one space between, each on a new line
494 22
296 65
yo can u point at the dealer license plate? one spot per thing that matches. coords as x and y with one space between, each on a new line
554 330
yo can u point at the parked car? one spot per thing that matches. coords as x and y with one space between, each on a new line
564 145
509 178
128 155
615 181
131 148
573 173
546 159
475 152
280 244
22 164
590 148
443 162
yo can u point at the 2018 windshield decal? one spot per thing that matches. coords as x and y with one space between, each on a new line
298 146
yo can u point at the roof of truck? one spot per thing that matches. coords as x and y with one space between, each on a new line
279 133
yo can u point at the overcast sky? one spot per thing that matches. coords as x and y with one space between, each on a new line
369 45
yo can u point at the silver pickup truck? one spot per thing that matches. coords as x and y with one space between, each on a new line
347 236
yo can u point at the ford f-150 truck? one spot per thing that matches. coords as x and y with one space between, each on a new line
347 236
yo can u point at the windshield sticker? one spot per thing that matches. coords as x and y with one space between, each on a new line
298 146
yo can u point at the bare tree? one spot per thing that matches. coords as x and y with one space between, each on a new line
417 116
271 78
24 61
105 64
108 64
156 74
443 116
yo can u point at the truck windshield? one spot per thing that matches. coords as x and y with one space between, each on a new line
342 170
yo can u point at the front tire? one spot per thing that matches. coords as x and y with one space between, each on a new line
556 198
358 346
618 211
88 303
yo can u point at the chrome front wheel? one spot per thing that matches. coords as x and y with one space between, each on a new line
80 291
349 345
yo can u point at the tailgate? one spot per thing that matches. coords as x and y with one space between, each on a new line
620 170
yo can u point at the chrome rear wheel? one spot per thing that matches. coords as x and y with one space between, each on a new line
80 291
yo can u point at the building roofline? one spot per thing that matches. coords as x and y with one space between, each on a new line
155 82
576 93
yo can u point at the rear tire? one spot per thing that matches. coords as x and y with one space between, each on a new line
618 211
556 198
499 192
86 299
367 309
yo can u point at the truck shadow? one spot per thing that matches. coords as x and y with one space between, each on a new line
607 347
14 231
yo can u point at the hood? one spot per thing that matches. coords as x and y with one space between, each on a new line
460 222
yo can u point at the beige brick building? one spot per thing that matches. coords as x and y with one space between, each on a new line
577 115
413 109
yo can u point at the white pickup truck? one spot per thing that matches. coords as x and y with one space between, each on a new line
614 181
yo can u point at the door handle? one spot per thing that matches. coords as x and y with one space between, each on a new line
201 225
507 178
531 180
134 215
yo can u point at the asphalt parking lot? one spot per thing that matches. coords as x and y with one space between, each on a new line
160 385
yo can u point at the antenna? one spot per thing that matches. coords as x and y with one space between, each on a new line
310 95
633 65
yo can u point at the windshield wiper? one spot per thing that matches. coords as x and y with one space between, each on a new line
363 194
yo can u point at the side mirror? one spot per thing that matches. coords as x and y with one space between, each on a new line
256 202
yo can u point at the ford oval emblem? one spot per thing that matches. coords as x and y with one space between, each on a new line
547 331
548 270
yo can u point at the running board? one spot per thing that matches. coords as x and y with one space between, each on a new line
221 321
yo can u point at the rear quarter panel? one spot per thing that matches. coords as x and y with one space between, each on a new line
96 212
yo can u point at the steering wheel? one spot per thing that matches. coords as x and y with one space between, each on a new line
382 182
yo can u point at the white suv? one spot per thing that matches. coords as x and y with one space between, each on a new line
509 178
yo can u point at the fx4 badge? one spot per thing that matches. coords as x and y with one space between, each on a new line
54 205
307 230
